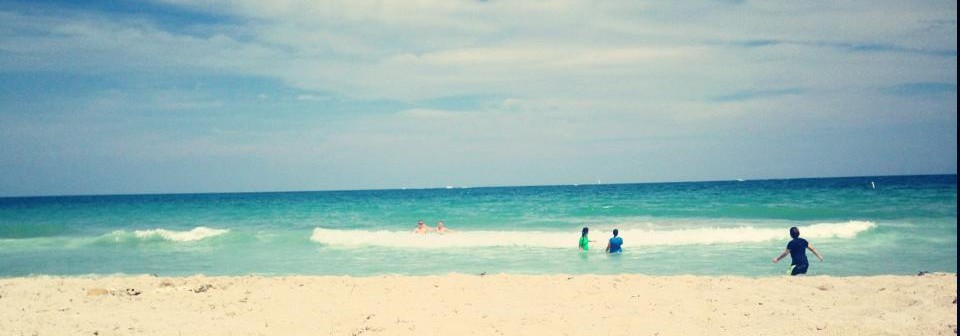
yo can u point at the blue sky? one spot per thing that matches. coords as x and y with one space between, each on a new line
164 96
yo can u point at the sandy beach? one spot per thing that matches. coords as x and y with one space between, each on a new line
498 304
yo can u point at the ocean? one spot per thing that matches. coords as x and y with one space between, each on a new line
861 225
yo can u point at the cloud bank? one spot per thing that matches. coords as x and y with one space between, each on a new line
379 94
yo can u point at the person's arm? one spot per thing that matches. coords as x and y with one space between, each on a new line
810 247
608 248
784 254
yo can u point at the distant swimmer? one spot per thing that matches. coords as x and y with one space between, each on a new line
584 244
422 228
441 229
796 248
614 246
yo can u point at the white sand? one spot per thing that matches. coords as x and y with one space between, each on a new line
475 305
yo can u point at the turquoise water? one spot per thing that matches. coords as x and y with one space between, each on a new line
900 225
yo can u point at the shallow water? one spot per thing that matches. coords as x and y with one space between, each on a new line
902 225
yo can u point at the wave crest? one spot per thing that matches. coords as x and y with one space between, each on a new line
553 239
195 234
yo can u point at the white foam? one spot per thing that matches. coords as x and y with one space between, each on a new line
553 239
197 233
747 234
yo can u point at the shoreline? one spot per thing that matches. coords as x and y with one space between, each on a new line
484 274
558 304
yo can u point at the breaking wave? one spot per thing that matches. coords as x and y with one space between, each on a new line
554 239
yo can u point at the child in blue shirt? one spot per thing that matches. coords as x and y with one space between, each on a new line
614 245
798 254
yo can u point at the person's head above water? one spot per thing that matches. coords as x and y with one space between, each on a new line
584 232
420 223
794 232
440 224
616 232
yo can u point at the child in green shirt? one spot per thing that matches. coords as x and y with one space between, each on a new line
584 241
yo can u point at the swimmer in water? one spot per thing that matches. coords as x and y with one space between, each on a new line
616 243
441 229
584 244
422 228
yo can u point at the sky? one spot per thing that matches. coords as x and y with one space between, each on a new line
177 96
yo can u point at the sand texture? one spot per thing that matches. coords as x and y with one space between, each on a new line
479 305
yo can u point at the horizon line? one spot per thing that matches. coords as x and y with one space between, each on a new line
450 187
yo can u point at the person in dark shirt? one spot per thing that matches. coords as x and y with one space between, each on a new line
798 254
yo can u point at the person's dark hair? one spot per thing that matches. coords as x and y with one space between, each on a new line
584 232
616 232
794 232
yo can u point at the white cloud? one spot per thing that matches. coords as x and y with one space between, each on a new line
428 114
572 85
418 50
310 97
